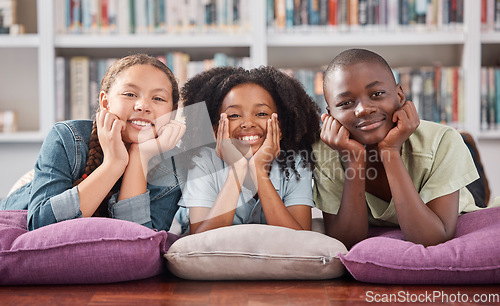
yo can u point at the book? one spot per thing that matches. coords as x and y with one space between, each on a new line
318 91
86 16
113 16
363 12
353 13
123 22
342 13
455 93
484 99
313 9
8 121
492 112
296 13
332 12
280 14
94 87
430 111
60 95
289 13
421 7
270 15
79 76
140 17
497 95
417 94
323 12
59 16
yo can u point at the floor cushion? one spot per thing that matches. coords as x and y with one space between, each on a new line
471 257
256 251
78 251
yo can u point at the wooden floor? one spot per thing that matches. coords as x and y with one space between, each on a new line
169 290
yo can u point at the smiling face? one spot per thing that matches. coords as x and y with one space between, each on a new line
363 97
141 95
248 107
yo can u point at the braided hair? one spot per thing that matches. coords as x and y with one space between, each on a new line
95 151
298 114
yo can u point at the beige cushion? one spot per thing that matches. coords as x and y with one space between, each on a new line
23 180
256 251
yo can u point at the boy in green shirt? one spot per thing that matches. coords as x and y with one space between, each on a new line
378 163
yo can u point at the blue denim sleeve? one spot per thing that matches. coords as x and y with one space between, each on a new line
53 197
135 209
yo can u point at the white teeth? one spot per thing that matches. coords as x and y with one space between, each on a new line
141 123
248 138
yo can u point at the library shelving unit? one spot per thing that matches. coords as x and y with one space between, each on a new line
490 49
27 77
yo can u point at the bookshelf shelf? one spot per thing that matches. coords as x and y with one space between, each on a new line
153 41
21 41
28 75
353 39
490 38
21 137
456 44
491 135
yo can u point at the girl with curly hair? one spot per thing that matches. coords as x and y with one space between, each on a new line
99 168
260 170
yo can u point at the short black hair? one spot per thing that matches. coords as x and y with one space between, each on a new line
352 57
298 114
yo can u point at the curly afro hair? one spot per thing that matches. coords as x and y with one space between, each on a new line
298 114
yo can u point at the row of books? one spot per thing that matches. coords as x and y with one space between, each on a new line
78 78
312 80
8 15
151 16
490 15
490 98
436 91
350 15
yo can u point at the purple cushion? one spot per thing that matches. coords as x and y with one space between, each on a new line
471 257
85 250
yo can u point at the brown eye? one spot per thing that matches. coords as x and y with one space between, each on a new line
344 104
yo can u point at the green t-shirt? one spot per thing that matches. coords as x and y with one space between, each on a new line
437 160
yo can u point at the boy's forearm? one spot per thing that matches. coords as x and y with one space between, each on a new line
417 221
350 225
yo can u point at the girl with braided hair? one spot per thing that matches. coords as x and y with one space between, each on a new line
99 168
260 170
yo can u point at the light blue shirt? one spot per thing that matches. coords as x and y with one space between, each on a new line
206 179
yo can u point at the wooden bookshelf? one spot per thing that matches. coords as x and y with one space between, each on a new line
466 46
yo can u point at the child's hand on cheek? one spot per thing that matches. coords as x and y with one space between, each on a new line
407 121
109 132
336 136
270 149
225 148
168 135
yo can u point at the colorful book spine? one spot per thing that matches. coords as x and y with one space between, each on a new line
497 94
79 87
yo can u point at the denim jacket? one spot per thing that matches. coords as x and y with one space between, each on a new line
50 197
